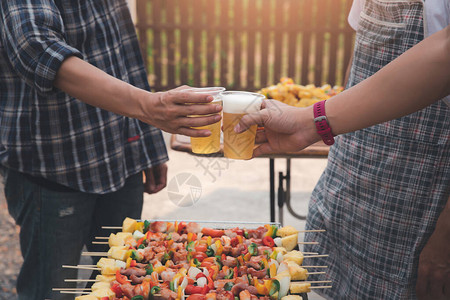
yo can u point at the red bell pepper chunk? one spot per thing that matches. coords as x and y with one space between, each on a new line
200 256
201 274
193 289
122 279
196 297
234 242
210 282
245 251
104 298
268 241
213 232
117 290
181 227
201 248
133 263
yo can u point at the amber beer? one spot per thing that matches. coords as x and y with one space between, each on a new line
235 106
210 144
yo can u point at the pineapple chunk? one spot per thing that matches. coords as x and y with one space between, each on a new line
100 293
105 278
286 230
86 297
292 297
295 256
290 242
118 239
129 225
105 261
118 252
299 287
100 285
281 250
297 272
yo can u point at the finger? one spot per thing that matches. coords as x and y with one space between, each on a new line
198 121
182 87
161 180
256 118
182 97
201 109
262 149
260 137
193 132
149 185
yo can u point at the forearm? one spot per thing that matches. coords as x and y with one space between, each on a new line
413 81
97 88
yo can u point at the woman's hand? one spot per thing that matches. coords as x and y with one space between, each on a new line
286 128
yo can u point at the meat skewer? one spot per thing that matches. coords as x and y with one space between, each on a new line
265 259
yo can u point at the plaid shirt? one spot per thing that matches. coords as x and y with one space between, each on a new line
45 132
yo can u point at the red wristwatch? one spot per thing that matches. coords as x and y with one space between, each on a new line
321 121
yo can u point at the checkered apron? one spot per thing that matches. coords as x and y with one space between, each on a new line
384 187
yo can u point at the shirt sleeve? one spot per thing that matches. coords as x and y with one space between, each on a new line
32 33
353 16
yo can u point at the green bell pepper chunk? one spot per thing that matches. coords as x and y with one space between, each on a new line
138 297
149 269
228 286
146 225
275 287
155 290
209 252
230 274
274 231
253 249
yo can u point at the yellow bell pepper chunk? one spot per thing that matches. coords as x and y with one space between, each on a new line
160 269
219 247
269 230
128 262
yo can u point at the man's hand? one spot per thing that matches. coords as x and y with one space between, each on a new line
155 178
286 128
172 111
433 280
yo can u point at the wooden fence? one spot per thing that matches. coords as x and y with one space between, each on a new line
244 44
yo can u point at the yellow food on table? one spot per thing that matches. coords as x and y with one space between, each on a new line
299 95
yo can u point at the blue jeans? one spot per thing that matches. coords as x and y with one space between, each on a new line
56 224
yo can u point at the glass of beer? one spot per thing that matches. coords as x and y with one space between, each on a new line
209 144
236 105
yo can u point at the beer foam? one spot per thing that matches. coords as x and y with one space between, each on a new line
236 102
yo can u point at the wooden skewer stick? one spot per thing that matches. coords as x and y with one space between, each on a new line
100 243
316 273
72 289
312 253
308 243
94 254
312 256
314 266
111 227
318 281
89 266
82 268
73 292
80 280
321 287
101 238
